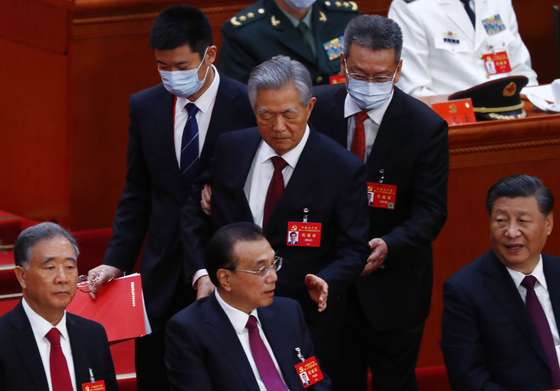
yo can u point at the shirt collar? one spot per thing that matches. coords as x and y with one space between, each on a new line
295 21
376 115
237 318
537 272
204 101
40 325
291 157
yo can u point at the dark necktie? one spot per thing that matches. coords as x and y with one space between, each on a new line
275 188
189 143
60 377
269 375
469 10
542 327
359 141
307 37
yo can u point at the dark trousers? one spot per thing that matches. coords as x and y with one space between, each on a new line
390 354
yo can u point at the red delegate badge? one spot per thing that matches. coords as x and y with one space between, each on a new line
94 386
309 372
496 63
302 234
381 195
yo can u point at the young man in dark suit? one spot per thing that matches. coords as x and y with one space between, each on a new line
42 347
404 146
241 337
501 312
284 177
173 128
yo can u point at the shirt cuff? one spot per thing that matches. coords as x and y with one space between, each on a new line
197 275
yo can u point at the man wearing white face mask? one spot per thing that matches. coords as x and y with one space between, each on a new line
404 146
173 128
308 31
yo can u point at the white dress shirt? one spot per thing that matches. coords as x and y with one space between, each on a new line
541 290
260 174
371 124
41 327
239 320
205 104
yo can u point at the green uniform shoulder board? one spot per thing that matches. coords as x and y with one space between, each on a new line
339 5
247 16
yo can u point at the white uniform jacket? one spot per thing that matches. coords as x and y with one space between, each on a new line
442 51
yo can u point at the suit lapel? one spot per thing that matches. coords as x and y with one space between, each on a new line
302 178
551 269
387 139
283 351
165 121
218 121
226 336
337 120
506 294
27 348
79 351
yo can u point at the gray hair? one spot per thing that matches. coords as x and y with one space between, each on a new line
521 186
278 72
29 237
373 32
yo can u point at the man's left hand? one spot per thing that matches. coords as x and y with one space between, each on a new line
318 290
376 259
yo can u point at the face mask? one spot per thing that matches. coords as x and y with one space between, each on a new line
183 83
369 96
300 4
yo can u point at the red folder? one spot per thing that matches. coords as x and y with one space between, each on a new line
119 307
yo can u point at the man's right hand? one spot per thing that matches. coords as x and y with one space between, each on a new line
100 275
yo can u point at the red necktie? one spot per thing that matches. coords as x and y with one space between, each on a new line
275 188
269 375
542 327
60 377
359 140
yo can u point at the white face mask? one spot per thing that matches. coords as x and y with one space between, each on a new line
183 83
369 96
300 4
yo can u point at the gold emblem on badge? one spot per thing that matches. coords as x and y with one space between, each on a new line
275 22
322 16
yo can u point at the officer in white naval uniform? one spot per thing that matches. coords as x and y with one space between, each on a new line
443 52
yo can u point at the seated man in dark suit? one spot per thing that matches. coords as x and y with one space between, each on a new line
240 338
42 347
501 315
284 177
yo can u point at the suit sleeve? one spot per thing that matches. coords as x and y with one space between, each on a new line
416 76
234 60
461 344
351 216
132 215
183 357
428 210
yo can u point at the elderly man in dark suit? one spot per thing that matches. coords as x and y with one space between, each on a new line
173 128
285 177
501 312
242 337
42 347
404 146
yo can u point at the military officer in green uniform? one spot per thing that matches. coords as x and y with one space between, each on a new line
309 31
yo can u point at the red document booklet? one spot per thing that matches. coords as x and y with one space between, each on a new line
119 307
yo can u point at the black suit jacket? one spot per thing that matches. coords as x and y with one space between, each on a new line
203 351
488 339
327 180
21 367
148 212
411 149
